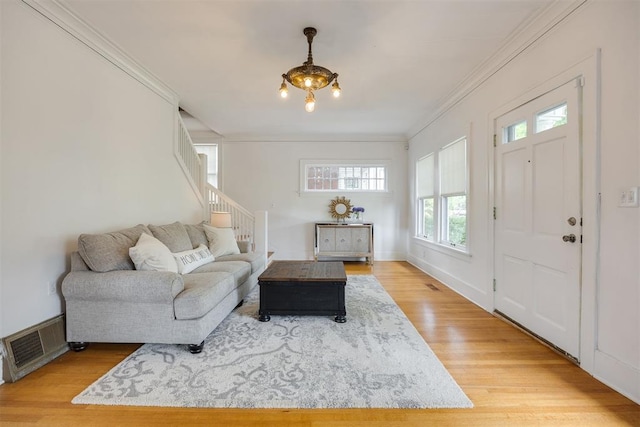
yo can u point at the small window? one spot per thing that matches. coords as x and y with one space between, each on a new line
351 177
551 118
515 132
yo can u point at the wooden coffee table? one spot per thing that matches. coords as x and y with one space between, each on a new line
303 288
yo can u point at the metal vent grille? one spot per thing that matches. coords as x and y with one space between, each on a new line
27 350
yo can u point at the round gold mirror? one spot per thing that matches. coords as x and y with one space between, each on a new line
340 208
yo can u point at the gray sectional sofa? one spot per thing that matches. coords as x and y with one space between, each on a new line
109 300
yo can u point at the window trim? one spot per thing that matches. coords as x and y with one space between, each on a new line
305 163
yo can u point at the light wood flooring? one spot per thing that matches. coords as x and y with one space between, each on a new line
512 379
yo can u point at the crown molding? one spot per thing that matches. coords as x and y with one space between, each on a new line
61 15
517 42
318 138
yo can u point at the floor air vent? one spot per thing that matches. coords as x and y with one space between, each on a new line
432 286
27 350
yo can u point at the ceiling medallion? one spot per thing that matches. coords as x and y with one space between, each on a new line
310 77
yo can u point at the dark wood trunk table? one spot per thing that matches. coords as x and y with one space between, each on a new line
303 288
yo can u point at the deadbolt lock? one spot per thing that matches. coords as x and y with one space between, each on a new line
572 221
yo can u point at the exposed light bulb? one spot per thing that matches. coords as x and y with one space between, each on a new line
335 89
310 106
310 102
283 90
308 81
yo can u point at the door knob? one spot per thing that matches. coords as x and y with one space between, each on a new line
569 238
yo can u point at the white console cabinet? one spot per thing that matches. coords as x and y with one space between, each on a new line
349 240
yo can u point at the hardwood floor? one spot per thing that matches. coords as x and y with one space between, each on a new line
512 379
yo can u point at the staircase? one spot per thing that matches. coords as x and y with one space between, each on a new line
246 225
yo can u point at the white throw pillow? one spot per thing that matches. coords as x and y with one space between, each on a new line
222 241
151 254
190 260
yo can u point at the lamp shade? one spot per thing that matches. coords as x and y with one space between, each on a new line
221 219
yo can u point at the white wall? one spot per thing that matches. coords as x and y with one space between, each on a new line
611 322
86 148
266 176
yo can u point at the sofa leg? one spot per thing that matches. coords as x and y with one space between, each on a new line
240 303
78 345
196 348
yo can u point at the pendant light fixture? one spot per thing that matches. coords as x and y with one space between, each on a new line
310 77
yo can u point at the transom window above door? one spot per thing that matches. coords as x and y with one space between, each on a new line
549 118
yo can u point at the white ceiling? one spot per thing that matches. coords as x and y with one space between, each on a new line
397 60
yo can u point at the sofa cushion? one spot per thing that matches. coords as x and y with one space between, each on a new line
222 241
245 246
110 251
150 254
239 269
174 236
255 259
190 260
202 292
196 234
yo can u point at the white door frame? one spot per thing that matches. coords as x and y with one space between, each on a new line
589 70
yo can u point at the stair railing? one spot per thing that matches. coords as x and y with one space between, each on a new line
243 221
189 159
194 166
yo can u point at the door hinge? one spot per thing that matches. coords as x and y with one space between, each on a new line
495 139
580 82
494 212
494 285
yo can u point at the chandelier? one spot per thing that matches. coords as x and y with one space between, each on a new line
310 77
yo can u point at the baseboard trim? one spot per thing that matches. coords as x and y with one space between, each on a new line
620 376
476 296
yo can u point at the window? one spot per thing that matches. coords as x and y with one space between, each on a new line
319 177
425 170
546 119
442 195
551 118
452 161
211 150
515 132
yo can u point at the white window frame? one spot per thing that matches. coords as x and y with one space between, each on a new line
305 164
441 197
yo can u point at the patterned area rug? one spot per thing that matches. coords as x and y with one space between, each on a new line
376 359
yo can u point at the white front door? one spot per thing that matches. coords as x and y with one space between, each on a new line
538 216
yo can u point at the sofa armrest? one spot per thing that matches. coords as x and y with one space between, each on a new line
123 286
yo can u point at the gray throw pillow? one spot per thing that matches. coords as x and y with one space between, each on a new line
196 234
174 236
110 251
